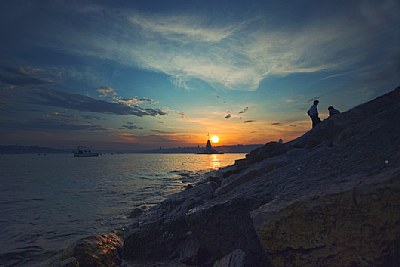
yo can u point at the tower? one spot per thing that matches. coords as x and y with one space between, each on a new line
208 146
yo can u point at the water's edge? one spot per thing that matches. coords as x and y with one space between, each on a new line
49 202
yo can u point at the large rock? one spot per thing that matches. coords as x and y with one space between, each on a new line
153 242
328 198
161 233
223 227
100 250
271 149
234 259
245 176
359 227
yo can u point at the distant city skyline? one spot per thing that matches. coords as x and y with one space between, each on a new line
143 74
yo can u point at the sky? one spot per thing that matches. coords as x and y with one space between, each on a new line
130 74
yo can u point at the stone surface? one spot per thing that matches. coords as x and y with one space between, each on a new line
163 230
222 228
328 198
189 252
234 259
359 227
269 150
100 250
246 175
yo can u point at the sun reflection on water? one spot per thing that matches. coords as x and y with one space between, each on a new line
215 163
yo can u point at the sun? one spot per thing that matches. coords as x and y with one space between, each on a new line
214 139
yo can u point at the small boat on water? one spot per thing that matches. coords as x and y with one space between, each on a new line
83 151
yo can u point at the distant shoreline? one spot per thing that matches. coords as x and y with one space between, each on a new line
18 149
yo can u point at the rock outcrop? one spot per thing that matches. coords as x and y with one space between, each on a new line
328 198
101 250
357 227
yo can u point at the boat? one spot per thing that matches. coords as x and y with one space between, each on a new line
83 151
209 149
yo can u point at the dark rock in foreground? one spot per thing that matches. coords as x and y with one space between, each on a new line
328 198
357 227
101 250
221 229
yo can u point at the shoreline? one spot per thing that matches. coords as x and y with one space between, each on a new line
89 197
329 196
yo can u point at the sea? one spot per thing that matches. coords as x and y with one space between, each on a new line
49 201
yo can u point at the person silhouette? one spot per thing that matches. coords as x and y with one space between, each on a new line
313 113
333 111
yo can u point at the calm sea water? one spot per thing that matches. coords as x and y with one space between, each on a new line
48 202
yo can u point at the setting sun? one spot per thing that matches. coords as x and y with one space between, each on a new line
214 139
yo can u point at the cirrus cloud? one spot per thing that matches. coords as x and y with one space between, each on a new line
235 54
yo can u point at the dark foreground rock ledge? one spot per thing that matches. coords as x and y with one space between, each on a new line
101 250
328 198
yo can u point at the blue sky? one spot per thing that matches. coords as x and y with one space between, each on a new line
144 74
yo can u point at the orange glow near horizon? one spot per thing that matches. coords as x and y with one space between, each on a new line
256 136
221 133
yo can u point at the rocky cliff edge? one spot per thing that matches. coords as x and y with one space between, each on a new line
328 198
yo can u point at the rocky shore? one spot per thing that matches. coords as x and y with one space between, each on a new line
328 198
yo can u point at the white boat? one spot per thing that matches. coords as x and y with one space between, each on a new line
83 151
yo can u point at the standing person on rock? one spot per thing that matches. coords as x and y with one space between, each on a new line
313 113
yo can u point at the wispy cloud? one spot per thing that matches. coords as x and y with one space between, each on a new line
159 131
29 70
19 76
131 126
182 28
181 114
50 97
234 55
52 124
136 101
107 92
149 138
154 111
244 110
293 99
